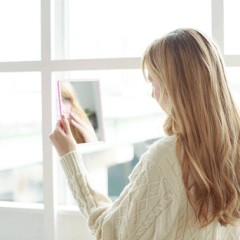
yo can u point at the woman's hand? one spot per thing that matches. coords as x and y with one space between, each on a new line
63 141
87 130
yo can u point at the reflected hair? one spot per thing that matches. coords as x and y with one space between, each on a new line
67 91
204 119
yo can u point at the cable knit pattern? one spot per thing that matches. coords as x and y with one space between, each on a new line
153 205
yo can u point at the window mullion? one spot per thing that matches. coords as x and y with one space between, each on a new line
218 23
33 66
60 52
48 111
97 64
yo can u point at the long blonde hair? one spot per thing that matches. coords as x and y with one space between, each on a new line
67 91
203 117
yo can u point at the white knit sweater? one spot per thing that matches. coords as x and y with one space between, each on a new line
153 206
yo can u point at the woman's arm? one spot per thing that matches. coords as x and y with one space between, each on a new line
148 196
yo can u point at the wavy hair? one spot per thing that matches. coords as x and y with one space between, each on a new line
203 117
67 91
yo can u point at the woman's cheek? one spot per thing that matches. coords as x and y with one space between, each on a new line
68 107
73 110
153 92
66 110
157 92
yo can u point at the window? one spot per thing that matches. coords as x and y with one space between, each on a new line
233 77
21 137
121 29
20 30
231 20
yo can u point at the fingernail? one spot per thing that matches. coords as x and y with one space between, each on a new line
63 116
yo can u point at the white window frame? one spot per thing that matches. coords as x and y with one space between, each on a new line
49 210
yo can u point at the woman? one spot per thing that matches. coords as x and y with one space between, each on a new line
187 184
74 113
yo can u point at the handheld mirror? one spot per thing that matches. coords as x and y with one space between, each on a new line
80 101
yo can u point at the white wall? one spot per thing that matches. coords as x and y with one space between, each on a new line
24 226
27 225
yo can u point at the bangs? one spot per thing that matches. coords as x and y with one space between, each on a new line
152 61
66 92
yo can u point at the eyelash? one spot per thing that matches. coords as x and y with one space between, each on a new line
68 99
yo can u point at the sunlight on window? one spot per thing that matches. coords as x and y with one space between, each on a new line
231 27
21 137
20 30
130 26
233 78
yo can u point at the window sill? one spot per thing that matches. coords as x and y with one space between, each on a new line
21 207
68 210
37 208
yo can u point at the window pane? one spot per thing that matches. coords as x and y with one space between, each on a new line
109 29
21 137
231 27
118 174
233 77
132 117
20 30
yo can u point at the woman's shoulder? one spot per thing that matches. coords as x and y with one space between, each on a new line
156 154
162 147
162 154
165 139
160 160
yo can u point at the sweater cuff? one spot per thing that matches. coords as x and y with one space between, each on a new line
72 163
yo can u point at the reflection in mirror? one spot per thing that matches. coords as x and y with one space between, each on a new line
80 102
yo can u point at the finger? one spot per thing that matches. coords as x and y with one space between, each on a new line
83 127
79 127
62 127
78 119
56 146
58 123
51 137
59 127
66 125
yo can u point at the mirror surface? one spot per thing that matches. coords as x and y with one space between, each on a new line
80 102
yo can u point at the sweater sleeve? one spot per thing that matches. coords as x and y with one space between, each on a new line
147 197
